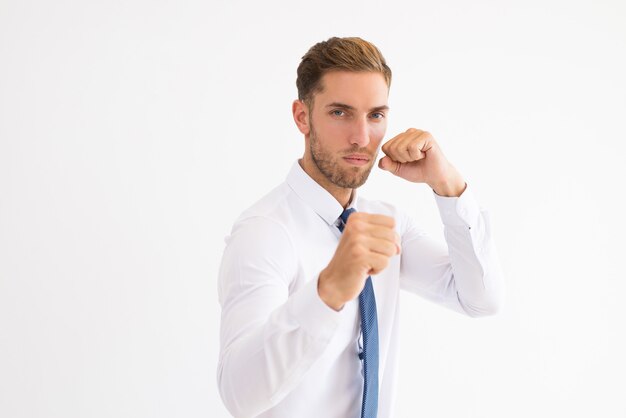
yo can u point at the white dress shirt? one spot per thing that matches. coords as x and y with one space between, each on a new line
284 352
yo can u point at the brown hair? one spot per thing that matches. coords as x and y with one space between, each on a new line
350 54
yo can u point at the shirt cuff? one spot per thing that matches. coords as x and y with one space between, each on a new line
319 319
459 211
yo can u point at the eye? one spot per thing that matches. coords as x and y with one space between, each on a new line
378 115
337 112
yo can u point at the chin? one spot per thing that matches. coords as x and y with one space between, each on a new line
353 180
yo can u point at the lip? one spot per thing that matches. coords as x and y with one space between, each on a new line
357 159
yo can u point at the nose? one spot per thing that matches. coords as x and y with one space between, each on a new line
360 134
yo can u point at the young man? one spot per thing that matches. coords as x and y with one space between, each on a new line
310 276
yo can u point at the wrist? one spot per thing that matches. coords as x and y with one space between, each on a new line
453 186
327 293
450 190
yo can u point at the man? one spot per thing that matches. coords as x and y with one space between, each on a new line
309 287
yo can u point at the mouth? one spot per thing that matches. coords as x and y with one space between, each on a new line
357 159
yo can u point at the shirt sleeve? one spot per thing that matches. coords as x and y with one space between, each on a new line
465 275
269 337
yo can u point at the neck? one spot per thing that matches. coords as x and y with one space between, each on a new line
341 194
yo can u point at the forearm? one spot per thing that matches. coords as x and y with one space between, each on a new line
473 258
261 366
475 266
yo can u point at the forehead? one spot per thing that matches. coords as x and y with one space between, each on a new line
357 89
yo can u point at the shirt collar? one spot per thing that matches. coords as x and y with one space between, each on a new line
315 196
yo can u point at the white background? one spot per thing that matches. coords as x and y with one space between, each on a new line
132 133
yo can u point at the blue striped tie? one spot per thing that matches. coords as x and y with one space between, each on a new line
369 328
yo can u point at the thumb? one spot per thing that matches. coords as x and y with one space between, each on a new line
388 164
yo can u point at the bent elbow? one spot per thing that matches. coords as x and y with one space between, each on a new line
242 394
228 393
488 300
486 307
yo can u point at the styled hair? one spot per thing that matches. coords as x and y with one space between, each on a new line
348 54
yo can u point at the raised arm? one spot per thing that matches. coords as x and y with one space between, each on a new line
465 274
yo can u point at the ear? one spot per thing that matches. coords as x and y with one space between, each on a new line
301 116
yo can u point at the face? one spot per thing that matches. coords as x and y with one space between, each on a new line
346 126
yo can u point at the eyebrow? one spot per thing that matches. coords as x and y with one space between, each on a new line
348 107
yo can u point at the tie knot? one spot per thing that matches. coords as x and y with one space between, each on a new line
346 213
344 218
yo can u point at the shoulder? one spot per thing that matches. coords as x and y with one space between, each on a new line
259 244
266 217
272 208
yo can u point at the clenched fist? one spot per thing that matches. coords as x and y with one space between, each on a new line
415 156
366 245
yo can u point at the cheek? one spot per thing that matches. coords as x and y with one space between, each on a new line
335 134
338 127
378 132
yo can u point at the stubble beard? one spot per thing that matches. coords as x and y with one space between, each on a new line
329 165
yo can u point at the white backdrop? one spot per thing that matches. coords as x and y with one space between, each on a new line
133 132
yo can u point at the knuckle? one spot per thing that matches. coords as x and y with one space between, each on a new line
357 226
359 215
388 221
